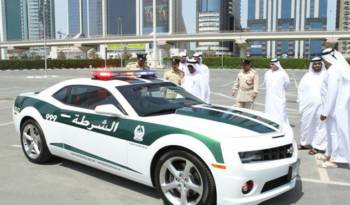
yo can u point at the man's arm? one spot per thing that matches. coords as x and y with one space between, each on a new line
256 83
332 93
235 86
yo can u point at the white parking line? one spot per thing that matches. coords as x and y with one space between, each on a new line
295 80
322 172
41 76
16 146
9 88
326 183
6 124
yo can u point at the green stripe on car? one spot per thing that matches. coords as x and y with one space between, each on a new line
225 118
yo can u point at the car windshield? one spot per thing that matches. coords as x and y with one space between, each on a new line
157 98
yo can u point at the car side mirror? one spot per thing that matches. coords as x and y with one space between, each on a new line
109 110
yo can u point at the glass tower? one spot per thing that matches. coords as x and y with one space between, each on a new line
121 12
85 18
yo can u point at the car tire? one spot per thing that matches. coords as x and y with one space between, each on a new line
180 173
33 142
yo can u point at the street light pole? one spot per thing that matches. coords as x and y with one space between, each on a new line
120 25
155 32
45 42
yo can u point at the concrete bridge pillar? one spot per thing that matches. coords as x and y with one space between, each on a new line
243 47
85 49
3 54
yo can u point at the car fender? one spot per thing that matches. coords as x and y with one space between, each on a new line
28 112
183 141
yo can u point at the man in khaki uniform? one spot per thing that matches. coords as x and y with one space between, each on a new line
140 64
246 86
174 75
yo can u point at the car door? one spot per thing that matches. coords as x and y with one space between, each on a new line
91 136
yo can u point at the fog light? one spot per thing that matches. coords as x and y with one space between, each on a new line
247 187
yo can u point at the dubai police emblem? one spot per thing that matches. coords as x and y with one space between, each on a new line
139 132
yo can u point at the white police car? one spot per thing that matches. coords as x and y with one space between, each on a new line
153 132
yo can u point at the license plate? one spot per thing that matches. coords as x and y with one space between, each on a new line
294 170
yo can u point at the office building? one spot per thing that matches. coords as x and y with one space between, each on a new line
121 17
217 16
33 19
284 16
343 24
84 18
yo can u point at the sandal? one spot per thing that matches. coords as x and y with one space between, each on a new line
302 147
322 157
313 152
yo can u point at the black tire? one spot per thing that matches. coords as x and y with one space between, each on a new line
208 196
45 154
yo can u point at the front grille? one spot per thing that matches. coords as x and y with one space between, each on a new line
275 153
275 183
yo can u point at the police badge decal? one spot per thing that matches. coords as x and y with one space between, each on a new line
139 132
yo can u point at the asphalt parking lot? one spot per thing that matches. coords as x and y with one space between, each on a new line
65 182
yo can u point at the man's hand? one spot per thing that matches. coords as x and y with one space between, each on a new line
323 118
233 92
254 94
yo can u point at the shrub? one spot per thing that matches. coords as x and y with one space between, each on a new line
39 64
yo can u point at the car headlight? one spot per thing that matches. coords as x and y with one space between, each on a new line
275 153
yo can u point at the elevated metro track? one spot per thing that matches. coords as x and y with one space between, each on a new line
240 37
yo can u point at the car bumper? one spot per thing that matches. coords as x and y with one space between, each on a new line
270 179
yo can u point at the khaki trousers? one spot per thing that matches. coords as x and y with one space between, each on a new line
247 105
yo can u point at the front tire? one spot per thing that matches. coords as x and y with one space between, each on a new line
33 142
183 179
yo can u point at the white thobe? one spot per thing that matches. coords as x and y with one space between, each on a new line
183 67
204 71
337 110
277 82
313 130
192 83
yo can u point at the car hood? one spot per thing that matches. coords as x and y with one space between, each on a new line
212 121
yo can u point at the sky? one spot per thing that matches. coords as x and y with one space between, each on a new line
62 9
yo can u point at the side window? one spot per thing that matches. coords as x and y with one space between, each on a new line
62 95
90 97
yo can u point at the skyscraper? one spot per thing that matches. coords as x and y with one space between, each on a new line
85 18
217 16
24 19
121 17
163 12
33 22
12 22
343 23
286 15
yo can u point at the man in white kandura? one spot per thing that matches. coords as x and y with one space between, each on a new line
336 110
204 71
183 63
313 130
277 82
193 82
